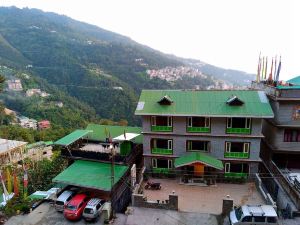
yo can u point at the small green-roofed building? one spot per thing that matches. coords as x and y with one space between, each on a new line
88 174
72 137
198 157
102 132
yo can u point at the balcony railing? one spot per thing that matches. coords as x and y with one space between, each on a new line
238 130
161 151
161 128
198 129
161 170
237 155
236 175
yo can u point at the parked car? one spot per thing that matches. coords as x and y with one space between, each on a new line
74 208
93 209
253 214
63 199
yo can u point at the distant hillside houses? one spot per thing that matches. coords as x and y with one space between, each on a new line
14 85
36 91
175 73
26 122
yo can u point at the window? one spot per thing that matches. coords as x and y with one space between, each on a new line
271 219
98 206
227 167
162 143
247 219
162 163
236 167
291 135
161 121
198 122
238 122
154 163
170 144
197 145
259 219
237 147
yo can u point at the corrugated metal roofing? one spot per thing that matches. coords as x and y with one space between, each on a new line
295 80
89 174
71 138
101 132
198 157
205 103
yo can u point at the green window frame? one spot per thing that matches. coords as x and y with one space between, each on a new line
245 154
159 128
198 129
162 151
189 146
246 129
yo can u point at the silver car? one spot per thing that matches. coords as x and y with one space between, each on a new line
63 199
93 209
254 214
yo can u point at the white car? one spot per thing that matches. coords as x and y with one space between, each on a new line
93 209
253 214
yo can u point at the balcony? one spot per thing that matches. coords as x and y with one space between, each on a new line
236 175
161 128
161 170
237 155
198 129
238 130
161 151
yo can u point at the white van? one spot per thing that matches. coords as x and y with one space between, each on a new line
63 199
93 209
254 214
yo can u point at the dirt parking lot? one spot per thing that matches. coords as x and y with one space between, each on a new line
206 199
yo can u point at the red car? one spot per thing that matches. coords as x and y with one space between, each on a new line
73 210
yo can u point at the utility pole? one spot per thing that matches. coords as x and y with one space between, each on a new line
112 167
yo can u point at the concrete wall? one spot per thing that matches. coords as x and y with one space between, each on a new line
283 112
138 200
275 137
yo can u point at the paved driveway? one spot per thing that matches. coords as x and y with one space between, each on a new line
45 214
205 199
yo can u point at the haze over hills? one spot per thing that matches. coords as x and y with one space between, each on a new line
103 70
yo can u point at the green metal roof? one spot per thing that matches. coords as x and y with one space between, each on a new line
295 80
101 132
71 138
195 157
282 87
89 174
205 103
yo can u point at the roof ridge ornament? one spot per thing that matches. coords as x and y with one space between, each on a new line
165 100
234 101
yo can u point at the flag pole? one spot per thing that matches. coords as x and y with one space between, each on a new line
258 69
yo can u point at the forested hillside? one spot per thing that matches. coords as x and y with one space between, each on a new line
99 72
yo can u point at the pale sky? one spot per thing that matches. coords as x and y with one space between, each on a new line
226 33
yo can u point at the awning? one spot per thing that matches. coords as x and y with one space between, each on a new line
197 157
90 174
71 138
126 137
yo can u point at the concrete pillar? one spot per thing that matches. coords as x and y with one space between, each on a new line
173 201
227 205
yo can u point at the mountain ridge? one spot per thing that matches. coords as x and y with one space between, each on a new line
87 62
